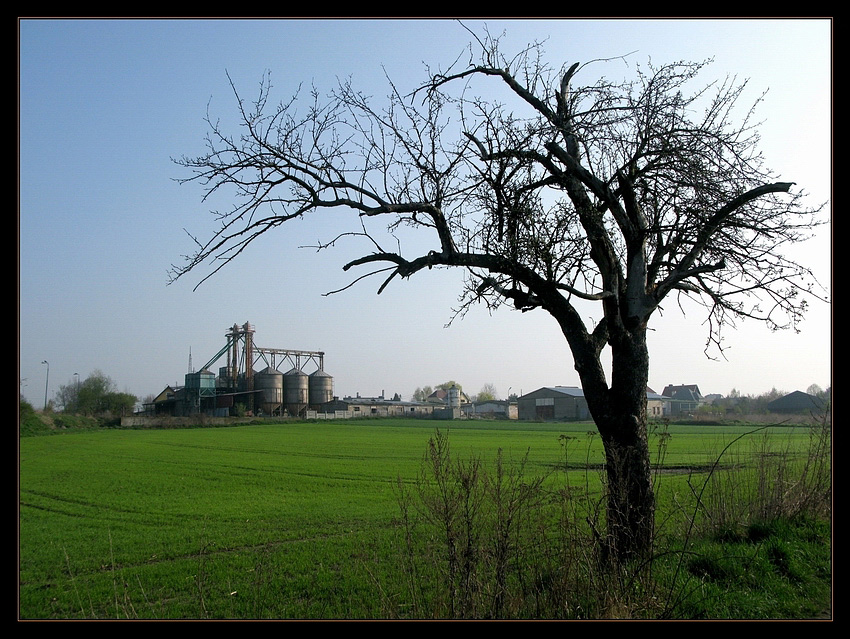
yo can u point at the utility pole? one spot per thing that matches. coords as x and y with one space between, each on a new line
46 381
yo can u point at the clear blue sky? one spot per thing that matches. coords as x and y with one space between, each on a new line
106 104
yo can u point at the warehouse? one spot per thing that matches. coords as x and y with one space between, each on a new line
797 402
553 403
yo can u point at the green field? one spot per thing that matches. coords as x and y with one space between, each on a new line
287 520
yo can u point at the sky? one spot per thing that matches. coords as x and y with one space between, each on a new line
105 106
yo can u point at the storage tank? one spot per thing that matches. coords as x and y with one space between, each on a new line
454 397
321 388
269 386
296 391
203 381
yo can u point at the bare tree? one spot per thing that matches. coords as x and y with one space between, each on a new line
617 194
487 392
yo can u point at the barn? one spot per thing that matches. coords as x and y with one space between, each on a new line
567 403
553 403
796 402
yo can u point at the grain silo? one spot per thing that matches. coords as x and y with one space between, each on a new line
203 381
296 392
454 397
199 390
268 384
321 388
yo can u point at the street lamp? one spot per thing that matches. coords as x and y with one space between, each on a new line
46 381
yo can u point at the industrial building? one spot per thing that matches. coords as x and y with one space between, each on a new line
239 387
567 403
553 403
798 402
273 382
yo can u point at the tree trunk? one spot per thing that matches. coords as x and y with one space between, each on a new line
621 418
630 500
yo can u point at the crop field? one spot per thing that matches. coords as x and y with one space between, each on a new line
283 520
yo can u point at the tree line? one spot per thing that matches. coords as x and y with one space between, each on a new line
736 403
95 396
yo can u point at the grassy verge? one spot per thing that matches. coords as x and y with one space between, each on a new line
780 569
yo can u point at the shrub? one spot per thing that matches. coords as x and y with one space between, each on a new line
489 541
30 422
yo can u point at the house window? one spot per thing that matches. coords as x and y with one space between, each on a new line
544 401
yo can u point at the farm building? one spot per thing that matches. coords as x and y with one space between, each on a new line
165 402
567 403
797 402
374 407
559 403
491 409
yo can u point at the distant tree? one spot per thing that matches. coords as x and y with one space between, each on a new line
67 397
713 409
96 395
24 407
773 394
815 390
487 393
757 404
91 393
421 394
119 404
556 196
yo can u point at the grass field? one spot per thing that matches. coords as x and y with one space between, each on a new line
288 520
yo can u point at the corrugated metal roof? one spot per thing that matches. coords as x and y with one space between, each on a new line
572 391
576 391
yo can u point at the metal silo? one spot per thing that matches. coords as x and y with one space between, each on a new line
269 384
454 397
321 388
296 392
203 381
199 391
